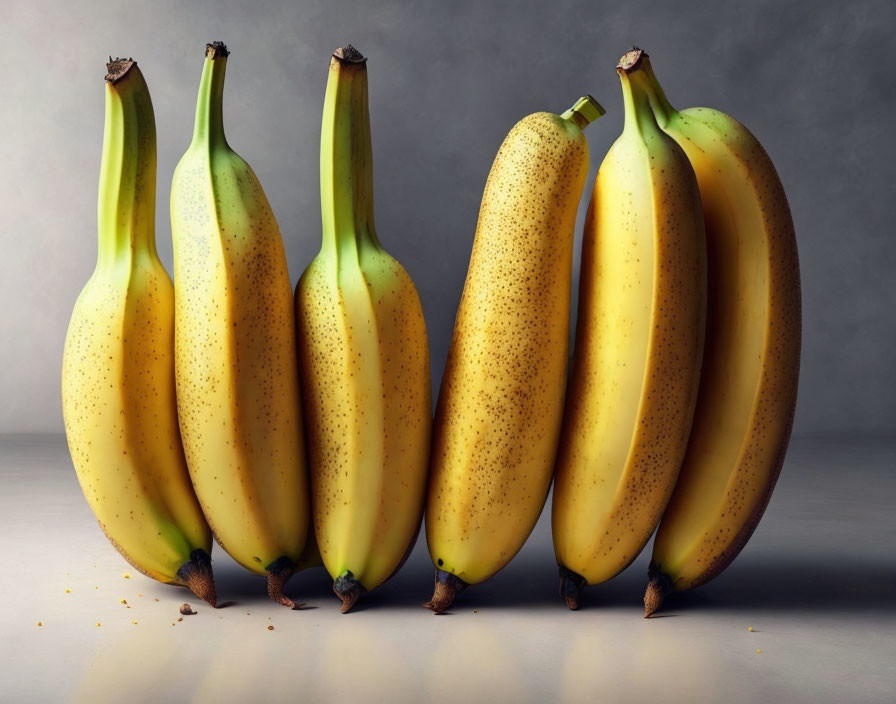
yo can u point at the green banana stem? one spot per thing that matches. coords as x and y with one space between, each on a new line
126 207
635 64
209 125
346 158
638 115
585 111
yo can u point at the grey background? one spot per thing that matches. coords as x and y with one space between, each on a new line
813 80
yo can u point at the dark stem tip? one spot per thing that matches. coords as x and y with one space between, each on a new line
447 587
631 60
279 572
117 69
658 587
197 576
571 585
349 55
347 588
217 50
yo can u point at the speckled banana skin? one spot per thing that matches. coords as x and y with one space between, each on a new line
118 364
639 340
235 348
501 401
751 362
364 360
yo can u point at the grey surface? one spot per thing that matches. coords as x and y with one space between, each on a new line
817 583
813 80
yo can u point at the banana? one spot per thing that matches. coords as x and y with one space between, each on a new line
639 341
501 403
118 365
751 362
364 361
235 350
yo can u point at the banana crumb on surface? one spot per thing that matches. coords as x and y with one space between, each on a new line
68 591
758 650
134 622
40 623
123 601
98 624
186 610
270 628
126 575
475 611
180 618
751 629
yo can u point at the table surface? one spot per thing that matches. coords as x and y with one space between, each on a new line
817 583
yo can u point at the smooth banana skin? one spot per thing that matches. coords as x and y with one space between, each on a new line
235 350
639 342
118 395
501 403
364 361
748 388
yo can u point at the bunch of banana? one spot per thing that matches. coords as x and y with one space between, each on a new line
639 340
501 403
364 361
118 393
235 350
751 360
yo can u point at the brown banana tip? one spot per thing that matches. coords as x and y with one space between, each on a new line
447 587
658 587
571 585
349 55
631 60
347 588
217 50
279 572
196 575
116 69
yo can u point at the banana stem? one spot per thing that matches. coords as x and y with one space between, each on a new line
197 576
209 125
346 157
658 587
447 587
126 207
635 64
585 111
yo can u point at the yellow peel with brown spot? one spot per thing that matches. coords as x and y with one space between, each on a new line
118 396
639 340
235 348
501 402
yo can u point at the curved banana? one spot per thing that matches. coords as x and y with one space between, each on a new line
501 403
364 361
639 339
118 365
235 350
751 362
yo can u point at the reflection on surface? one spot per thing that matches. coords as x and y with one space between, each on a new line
472 659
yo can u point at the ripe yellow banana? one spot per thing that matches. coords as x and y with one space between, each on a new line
639 339
235 350
501 403
364 360
751 361
118 365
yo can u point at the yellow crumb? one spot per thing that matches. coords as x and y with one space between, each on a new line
139 595
758 650
134 622
750 629
123 601
68 574
181 618
68 591
40 623
126 575
98 624
96 587
155 599
270 628
173 623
